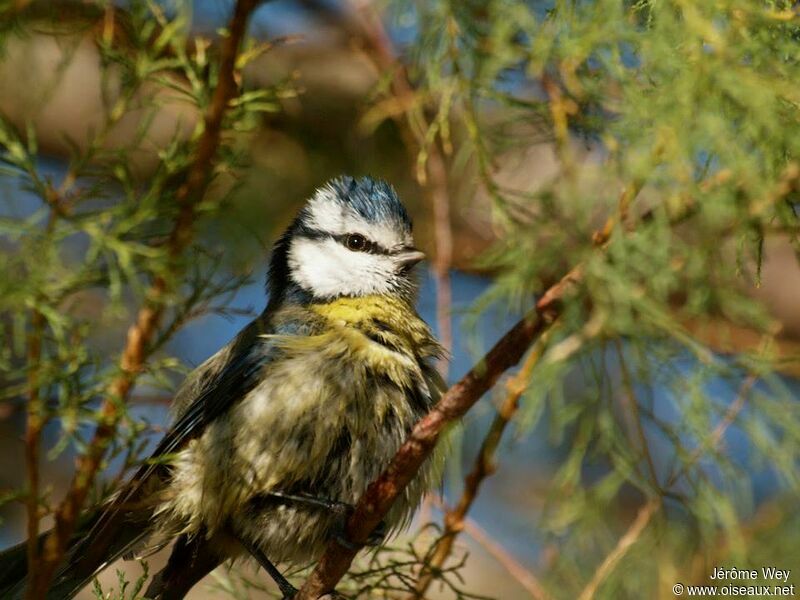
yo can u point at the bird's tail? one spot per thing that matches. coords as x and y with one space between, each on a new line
89 551
14 566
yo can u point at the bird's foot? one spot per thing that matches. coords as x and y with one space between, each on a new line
378 535
287 589
342 512
374 539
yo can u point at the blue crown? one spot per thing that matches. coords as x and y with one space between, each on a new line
374 200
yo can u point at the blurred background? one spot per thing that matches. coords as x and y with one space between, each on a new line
484 117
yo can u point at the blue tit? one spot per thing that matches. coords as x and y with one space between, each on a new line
279 432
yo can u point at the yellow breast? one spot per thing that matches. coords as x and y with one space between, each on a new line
384 319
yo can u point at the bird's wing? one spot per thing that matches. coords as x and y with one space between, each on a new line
207 392
221 381
435 382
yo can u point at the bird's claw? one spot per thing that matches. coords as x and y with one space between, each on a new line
373 540
342 511
378 535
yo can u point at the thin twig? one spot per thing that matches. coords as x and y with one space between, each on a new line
560 109
431 175
610 562
33 430
522 575
632 403
141 332
36 407
712 442
483 467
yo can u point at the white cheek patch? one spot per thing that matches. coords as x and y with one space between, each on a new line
328 269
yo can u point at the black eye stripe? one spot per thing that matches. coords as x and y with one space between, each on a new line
372 247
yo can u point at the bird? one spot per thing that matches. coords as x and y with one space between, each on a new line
278 434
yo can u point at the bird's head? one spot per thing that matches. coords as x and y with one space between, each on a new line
352 238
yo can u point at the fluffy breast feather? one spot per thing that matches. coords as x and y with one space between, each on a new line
329 414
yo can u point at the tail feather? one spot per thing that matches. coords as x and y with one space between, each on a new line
87 554
192 558
14 566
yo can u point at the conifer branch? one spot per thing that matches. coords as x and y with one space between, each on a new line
483 467
630 537
146 324
35 419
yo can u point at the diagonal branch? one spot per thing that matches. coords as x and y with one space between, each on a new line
713 441
382 493
141 332
610 562
484 466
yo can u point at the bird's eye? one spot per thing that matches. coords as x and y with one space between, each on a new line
356 242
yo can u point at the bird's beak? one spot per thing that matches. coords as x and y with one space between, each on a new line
409 257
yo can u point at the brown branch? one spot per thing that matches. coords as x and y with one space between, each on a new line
35 418
382 492
33 430
484 466
522 575
610 562
443 239
141 332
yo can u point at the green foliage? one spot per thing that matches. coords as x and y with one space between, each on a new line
124 591
675 129
675 125
81 249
